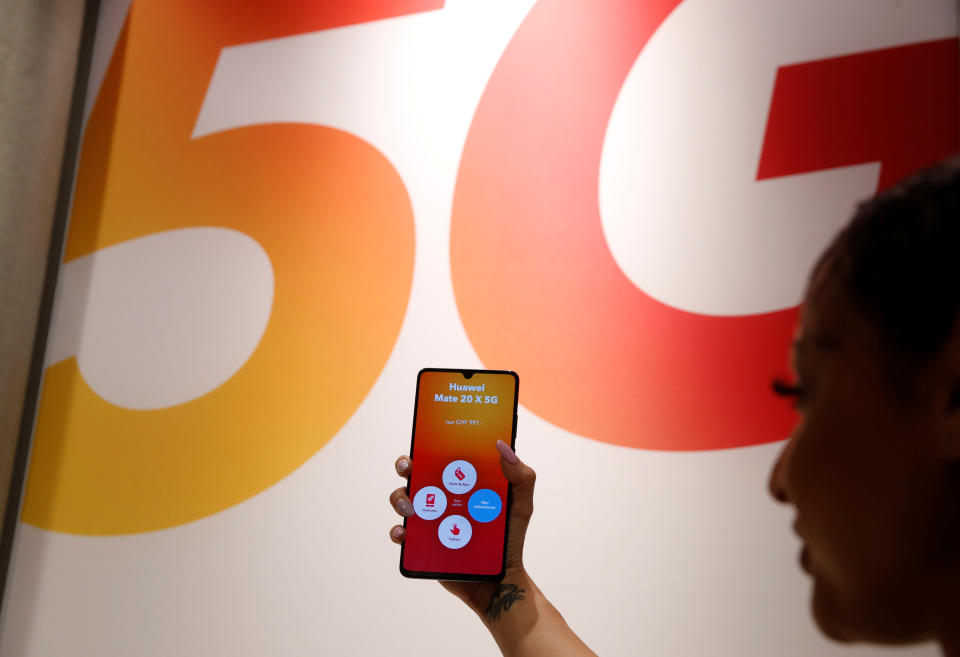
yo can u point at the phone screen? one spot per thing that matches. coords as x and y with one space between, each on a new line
460 497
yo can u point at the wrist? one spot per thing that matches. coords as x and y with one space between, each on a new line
524 623
515 589
511 610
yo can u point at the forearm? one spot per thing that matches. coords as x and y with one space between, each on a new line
525 624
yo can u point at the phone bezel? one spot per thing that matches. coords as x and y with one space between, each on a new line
464 577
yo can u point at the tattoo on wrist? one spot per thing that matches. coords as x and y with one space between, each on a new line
502 599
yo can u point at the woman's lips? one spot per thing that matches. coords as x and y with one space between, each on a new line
805 559
805 562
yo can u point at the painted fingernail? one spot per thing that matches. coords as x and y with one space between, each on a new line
396 532
405 508
508 454
403 466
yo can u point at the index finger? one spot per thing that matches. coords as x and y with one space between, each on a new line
403 466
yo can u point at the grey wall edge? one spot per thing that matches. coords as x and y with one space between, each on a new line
54 255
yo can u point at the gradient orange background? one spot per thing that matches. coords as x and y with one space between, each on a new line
435 444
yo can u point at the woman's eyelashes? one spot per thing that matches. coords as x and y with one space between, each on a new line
794 391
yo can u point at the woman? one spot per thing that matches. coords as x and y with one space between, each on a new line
873 465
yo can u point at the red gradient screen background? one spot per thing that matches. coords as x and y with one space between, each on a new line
435 444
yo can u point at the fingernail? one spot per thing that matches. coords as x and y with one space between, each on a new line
508 454
396 532
405 508
403 465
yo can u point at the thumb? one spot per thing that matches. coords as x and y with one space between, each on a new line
523 479
517 472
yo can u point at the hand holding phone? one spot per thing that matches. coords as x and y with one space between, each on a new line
459 495
522 478
514 608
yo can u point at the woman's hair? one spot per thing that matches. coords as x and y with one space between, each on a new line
899 262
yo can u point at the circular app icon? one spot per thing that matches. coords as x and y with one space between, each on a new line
429 503
454 532
484 505
459 477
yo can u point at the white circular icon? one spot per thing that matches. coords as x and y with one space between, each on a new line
454 532
429 503
459 477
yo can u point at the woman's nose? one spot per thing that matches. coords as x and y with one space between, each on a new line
777 484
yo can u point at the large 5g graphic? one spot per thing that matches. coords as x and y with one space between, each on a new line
600 357
328 210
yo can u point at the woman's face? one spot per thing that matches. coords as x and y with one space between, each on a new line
869 476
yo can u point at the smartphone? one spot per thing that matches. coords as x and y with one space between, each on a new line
460 497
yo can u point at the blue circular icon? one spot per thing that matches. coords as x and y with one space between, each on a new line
484 505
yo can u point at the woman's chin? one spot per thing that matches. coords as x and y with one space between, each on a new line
866 620
828 615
